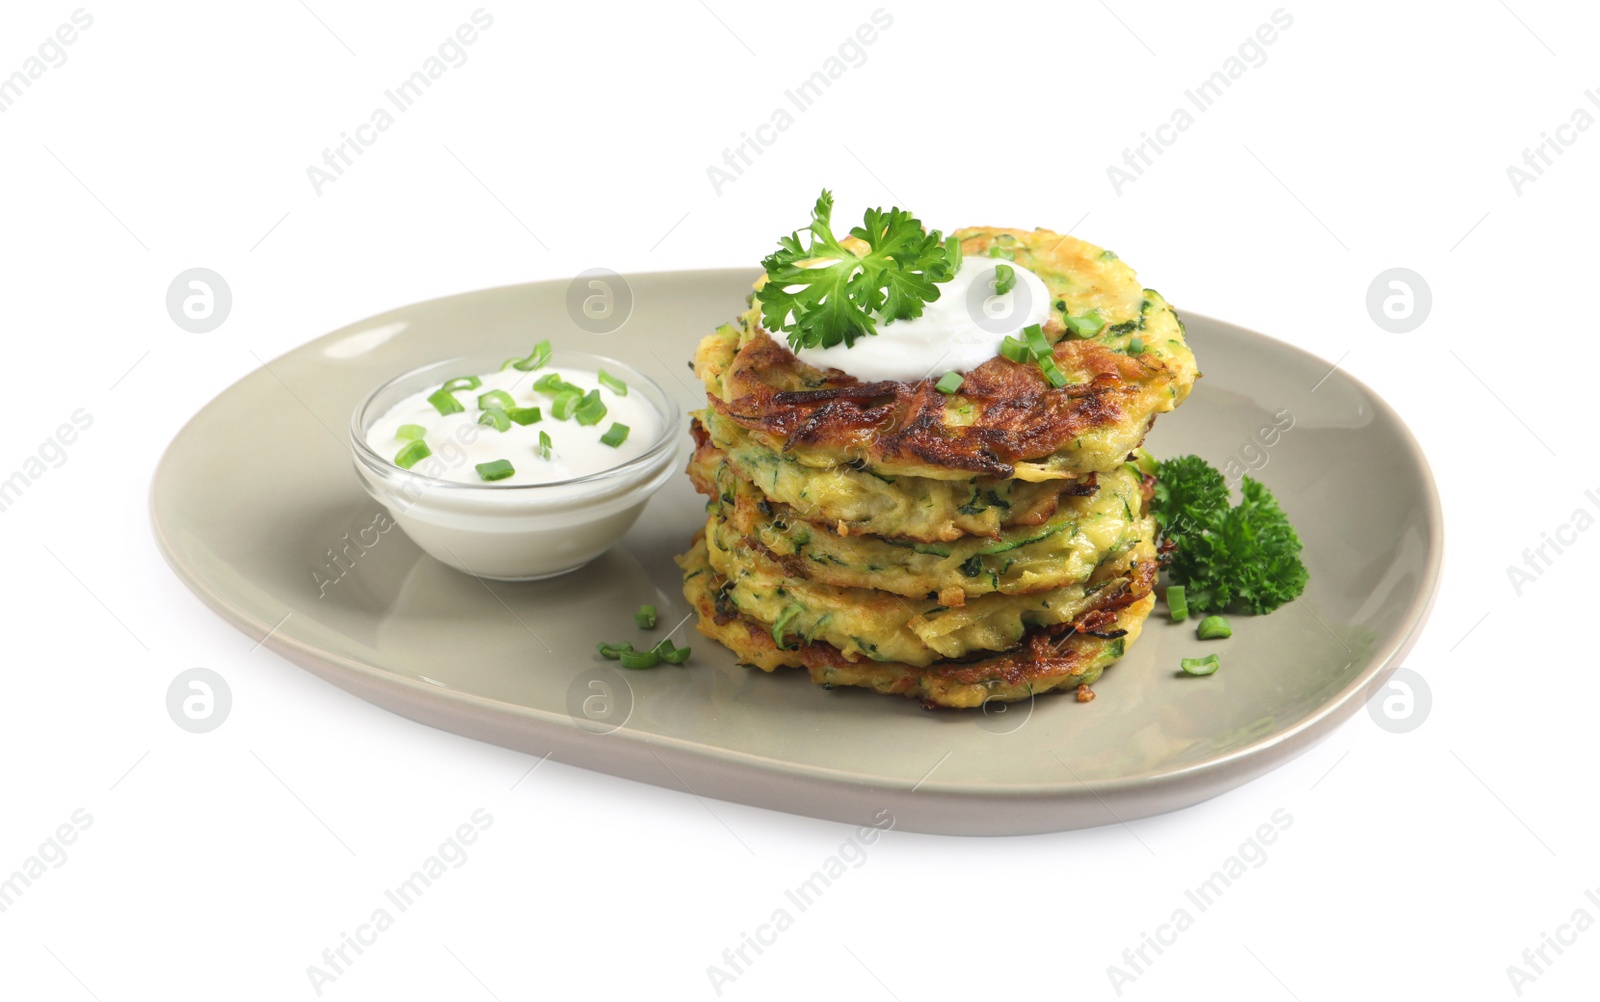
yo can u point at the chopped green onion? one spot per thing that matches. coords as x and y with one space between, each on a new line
590 410
1136 347
499 469
952 253
551 382
1015 350
948 383
615 435
544 445
524 415
444 403
1005 279
567 402
536 360
1048 366
1087 325
1177 603
1199 666
613 384
1033 335
462 383
1009 255
670 653
496 398
645 618
639 659
410 432
411 454
1214 628
496 417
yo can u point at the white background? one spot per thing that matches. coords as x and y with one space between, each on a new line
578 135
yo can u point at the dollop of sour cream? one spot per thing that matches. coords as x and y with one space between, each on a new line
458 443
957 332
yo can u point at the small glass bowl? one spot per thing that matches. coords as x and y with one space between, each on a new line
519 532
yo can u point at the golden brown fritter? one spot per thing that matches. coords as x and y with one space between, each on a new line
872 623
1052 657
854 501
1006 420
987 544
1063 550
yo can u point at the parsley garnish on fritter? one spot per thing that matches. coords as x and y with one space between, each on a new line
822 294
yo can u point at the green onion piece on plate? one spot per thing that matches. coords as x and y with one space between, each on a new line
613 384
551 382
524 415
948 383
495 417
670 654
411 454
544 445
1177 603
495 398
410 432
1136 347
612 651
1199 666
615 435
462 383
645 618
444 403
1214 628
639 659
499 469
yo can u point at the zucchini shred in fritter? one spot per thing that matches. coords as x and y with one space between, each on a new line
1063 549
1046 658
987 544
858 500
884 626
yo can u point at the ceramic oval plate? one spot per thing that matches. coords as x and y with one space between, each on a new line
281 541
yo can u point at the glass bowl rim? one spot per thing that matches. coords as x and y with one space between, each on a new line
378 464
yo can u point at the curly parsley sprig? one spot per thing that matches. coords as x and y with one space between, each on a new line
821 294
1247 555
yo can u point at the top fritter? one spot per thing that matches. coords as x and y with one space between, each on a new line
1119 360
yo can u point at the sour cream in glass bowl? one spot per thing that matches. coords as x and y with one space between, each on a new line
516 469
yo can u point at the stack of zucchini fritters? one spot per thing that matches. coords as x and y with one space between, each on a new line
988 544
